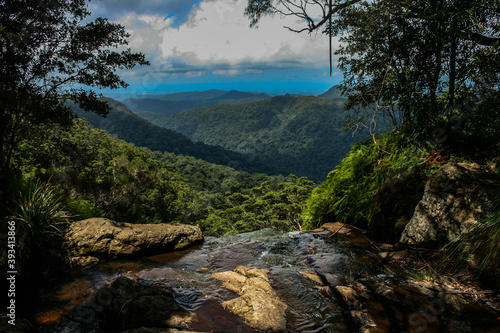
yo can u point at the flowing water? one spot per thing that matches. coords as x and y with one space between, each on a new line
387 301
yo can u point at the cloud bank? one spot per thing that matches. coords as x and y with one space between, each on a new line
189 39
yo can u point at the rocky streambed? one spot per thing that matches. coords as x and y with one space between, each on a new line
330 280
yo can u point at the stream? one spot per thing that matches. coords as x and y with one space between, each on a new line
387 299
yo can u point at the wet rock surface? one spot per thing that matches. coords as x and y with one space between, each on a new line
328 282
259 305
128 304
83 262
100 236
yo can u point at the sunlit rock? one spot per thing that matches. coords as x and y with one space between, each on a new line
349 296
84 262
259 305
313 276
100 236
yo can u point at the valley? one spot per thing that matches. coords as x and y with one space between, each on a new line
285 135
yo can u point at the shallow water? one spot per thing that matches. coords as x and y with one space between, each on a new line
387 302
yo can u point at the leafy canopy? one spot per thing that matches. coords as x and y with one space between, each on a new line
420 62
49 52
424 64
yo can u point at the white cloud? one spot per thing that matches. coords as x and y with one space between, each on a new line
218 33
234 72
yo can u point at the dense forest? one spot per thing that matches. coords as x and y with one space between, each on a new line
178 102
131 128
300 135
426 69
99 175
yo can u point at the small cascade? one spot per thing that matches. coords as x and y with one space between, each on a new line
330 282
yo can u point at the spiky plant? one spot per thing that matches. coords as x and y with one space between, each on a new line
41 206
478 248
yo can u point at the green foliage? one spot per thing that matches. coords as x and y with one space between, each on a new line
50 49
131 128
302 136
424 64
213 180
264 207
40 204
376 187
477 249
118 179
83 209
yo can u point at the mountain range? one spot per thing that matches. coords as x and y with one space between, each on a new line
279 135
299 135
131 128
178 102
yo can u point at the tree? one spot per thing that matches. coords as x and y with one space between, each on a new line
419 63
316 14
50 53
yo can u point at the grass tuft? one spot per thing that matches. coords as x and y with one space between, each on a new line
477 249
41 206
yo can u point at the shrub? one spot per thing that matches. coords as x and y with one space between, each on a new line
376 187
41 206
84 209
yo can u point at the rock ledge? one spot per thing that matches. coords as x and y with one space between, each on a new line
100 236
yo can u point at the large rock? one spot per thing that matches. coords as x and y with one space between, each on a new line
259 305
100 236
128 305
455 198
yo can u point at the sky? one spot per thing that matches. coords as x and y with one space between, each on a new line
197 45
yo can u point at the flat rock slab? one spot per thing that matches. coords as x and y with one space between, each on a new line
259 305
100 236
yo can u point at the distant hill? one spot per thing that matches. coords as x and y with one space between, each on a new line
333 92
131 128
303 135
178 102
192 95
235 95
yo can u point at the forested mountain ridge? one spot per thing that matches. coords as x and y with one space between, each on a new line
178 102
302 135
131 128
333 92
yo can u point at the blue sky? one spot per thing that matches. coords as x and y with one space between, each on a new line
201 45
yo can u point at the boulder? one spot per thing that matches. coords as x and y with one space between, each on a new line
128 305
100 236
83 262
259 305
454 200
335 228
